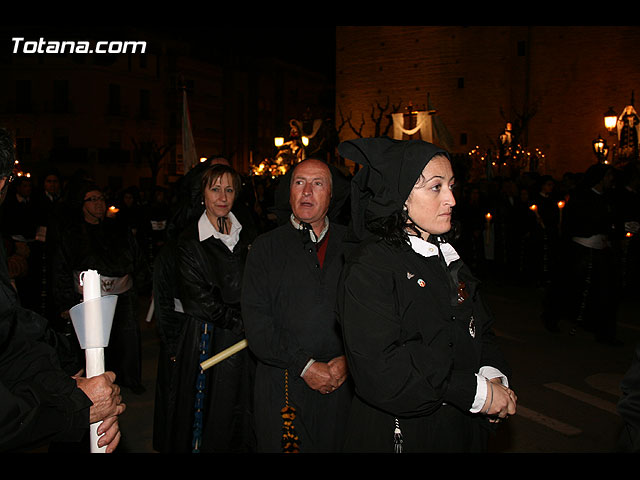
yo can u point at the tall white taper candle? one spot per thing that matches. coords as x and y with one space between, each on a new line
94 356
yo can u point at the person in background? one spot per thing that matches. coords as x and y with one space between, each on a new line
593 288
156 216
547 232
19 225
129 209
94 241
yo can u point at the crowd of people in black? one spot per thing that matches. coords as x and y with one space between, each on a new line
576 237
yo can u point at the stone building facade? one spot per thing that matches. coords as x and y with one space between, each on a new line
552 83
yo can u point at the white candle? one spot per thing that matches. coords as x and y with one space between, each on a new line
560 207
91 290
94 357
90 285
233 349
488 228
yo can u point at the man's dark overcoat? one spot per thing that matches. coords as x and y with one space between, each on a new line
288 304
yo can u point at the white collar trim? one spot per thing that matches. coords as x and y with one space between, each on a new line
206 230
296 224
427 249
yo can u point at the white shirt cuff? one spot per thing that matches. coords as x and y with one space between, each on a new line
486 373
306 367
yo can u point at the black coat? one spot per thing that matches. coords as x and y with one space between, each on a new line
413 351
39 401
111 250
108 247
288 304
208 277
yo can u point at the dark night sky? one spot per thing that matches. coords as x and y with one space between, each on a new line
311 47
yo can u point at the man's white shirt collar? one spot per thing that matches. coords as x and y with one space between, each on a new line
296 224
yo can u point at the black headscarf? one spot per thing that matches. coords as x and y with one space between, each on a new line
388 173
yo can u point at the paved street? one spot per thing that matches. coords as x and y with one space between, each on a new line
567 385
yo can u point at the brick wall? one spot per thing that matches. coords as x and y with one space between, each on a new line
478 78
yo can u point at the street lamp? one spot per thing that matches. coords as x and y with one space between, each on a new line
610 120
601 149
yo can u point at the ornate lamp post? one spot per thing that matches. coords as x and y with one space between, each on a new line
610 120
600 149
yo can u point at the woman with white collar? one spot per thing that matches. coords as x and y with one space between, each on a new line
427 372
211 408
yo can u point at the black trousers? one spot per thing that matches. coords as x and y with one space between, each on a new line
594 289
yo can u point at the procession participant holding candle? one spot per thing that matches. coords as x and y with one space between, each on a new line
210 411
546 236
39 401
627 209
167 309
168 312
288 303
525 224
593 290
428 374
93 241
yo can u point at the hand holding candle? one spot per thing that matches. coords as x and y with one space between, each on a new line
112 210
107 406
534 209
